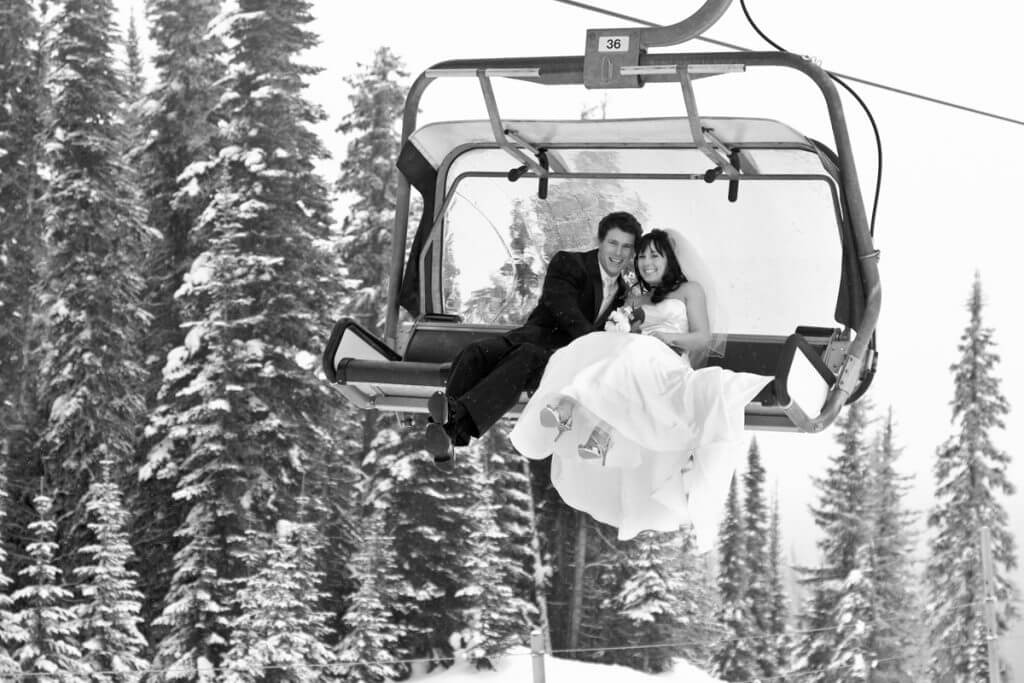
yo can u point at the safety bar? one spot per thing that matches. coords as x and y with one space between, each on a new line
391 372
839 388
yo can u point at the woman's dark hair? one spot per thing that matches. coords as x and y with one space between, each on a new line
660 241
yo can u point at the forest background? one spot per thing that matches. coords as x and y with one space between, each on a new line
99 356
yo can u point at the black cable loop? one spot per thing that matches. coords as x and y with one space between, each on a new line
863 105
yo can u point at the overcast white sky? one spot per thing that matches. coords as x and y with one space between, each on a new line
950 201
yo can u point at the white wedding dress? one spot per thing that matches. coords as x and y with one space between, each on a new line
677 433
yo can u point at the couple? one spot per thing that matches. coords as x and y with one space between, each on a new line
639 438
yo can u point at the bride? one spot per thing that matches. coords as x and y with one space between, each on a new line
640 439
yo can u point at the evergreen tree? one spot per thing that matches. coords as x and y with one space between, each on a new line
279 634
649 600
508 483
734 659
135 81
363 248
971 477
500 617
242 416
778 610
369 175
49 645
180 130
695 602
91 375
897 630
10 632
854 614
432 519
758 590
515 288
843 516
430 516
371 650
21 105
109 615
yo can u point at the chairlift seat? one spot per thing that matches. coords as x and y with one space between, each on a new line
372 375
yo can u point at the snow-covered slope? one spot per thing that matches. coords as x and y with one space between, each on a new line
517 667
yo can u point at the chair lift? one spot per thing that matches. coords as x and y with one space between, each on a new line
815 335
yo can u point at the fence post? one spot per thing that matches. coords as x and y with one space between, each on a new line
537 648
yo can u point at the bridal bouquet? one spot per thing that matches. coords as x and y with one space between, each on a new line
626 318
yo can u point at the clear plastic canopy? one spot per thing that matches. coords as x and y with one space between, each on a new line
776 251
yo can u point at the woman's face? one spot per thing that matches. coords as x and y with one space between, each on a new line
651 265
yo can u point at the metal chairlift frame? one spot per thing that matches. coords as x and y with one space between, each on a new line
847 366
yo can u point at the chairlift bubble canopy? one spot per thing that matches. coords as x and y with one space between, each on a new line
777 216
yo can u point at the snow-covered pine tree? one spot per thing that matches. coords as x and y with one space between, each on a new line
363 247
242 411
280 632
695 602
372 648
852 645
843 516
369 176
897 632
108 616
177 116
971 479
429 516
509 484
734 657
649 602
134 93
181 131
49 644
757 536
10 632
502 304
21 97
500 616
91 376
778 611
135 80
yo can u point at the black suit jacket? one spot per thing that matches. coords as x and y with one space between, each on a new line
569 302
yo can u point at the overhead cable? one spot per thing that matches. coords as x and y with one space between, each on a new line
873 84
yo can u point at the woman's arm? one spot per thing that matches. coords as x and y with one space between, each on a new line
696 341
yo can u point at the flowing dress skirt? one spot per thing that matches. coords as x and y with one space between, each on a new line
677 433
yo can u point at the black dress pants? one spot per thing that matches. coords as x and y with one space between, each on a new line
487 378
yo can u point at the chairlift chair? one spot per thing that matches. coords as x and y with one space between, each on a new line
759 199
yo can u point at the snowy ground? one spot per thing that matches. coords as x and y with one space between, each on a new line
517 667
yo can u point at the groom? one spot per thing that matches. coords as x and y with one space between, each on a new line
488 376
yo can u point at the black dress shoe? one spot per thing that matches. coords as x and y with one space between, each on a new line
439 443
438 407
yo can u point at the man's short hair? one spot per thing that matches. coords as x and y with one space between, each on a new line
624 221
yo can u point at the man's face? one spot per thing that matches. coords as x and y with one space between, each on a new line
615 251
